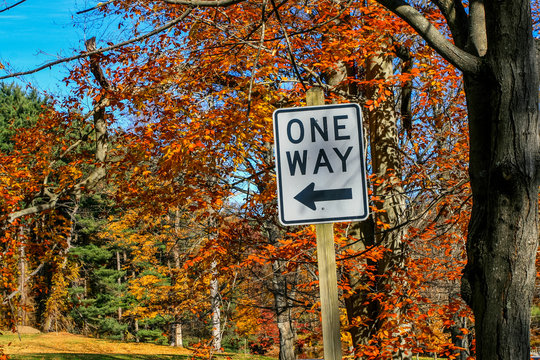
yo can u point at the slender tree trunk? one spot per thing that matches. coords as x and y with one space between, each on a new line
216 310
499 277
119 268
23 288
287 334
176 331
137 339
460 339
282 304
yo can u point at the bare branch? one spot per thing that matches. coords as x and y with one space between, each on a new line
33 210
255 64
101 141
204 3
94 65
102 50
14 293
289 46
11 6
461 59
406 90
101 4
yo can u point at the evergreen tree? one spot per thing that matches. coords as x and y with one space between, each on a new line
17 109
97 296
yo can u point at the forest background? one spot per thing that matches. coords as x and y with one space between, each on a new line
141 206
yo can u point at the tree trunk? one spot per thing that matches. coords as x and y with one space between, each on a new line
176 329
386 164
282 303
498 281
176 334
287 335
54 304
137 339
216 311
460 339
23 286
280 282
502 101
361 311
119 268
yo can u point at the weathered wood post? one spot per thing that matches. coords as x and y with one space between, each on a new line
326 258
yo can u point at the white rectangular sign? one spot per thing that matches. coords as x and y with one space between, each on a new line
320 164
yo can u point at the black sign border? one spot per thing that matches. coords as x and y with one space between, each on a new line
278 166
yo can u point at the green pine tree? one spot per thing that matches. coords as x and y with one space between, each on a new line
17 109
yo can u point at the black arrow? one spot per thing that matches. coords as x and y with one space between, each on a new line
309 196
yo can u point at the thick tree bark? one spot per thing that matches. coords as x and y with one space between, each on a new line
502 100
503 231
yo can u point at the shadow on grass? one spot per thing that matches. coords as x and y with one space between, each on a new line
97 357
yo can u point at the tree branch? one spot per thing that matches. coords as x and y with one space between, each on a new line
289 47
102 50
256 62
477 27
101 4
94 64
406 89
101 142
11 6
14 293
33 210
461 59
204 3
456 18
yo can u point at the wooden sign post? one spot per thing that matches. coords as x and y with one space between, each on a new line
326 258
321 179
329 291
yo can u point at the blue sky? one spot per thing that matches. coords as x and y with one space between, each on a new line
38 31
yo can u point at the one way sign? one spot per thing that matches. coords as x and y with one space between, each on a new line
320 164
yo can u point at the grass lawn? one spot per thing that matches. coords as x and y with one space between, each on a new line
122 357
126 357
95 357
65 346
